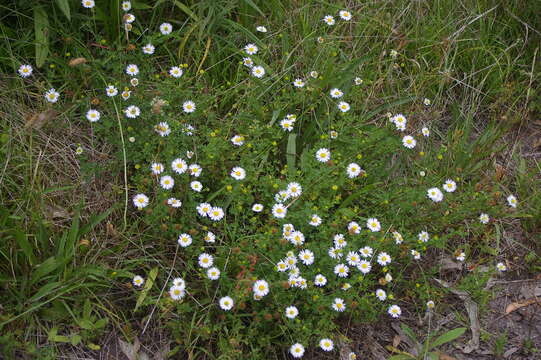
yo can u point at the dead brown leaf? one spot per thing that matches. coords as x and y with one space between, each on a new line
517 305
396 341
36 121
77 61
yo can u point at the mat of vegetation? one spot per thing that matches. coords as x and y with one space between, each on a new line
224 179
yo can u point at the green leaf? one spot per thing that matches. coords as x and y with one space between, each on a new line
187 10
44 268
408 332
447 337
148 285
22 241
75 340
65 7
291 153
255 7
45 290
401 357
41 33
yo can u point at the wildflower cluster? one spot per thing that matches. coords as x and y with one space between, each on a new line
272 213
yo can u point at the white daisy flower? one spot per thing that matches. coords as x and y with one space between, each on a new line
484 218
353 170
384 259
345 15
320 280
177 292
179 282
132 112
125 95
287 125
336 93
205 260
166 28
341 270
188 106
237 140
52 95
203 209
364 266
238 173
326 344
179 166
226 303
409 142
335 253
314 74
425 132
138 281
501 267
298 83
430 304
196 186
128 19
132 70
353 258
461 256
213 273
111 91
381 294
358 81
512 201
195 170
296 350
400 121
427 101
435 194
279 211
176 203
257 208
216 214
126 5
258 71
176 72
449 186
210 237
394 311
373 224
329 20
398 239
93 115
339 305
156 168
89 4
333 134
261 29
366 252
354 228
140 201
167 182
251 49
148 49
294 190
423 236
343 106
291 312
261 288
416 254
162 129
184 240
296 238
339 241
323 155
307 257
25 70
315 220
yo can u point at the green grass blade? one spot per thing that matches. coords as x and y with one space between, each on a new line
65 7
41 33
